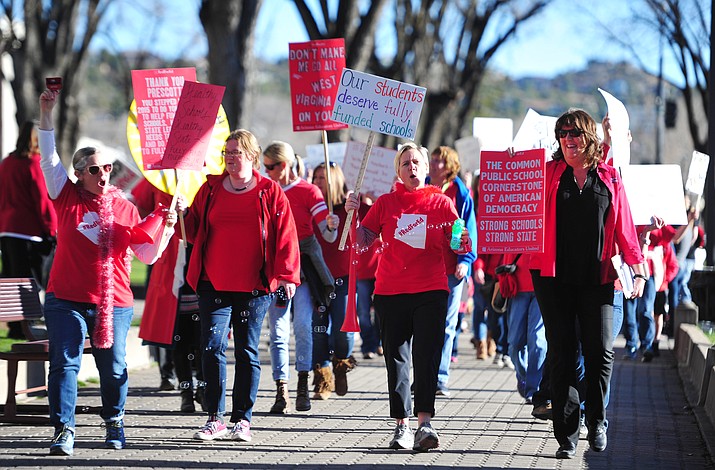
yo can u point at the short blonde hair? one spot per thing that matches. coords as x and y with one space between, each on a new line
409 146
248 142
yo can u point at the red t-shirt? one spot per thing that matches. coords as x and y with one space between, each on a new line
75 274
234 223
415 226
307 204
338 262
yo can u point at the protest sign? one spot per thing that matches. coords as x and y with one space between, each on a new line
379 174
511 202
697 173
536 132
315 154
468 150
378 104
620 124
493 133
193 124
655 190
315 68
156 93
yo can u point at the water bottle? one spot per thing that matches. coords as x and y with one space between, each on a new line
457 228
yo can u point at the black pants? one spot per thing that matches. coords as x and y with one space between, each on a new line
412 323
566 308
20 258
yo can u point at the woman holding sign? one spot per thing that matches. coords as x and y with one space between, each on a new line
245 248
411 289
88 291
587 222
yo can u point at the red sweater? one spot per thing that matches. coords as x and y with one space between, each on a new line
415 226
26 210
282 259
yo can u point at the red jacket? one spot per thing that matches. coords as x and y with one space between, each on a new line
620 233
282 258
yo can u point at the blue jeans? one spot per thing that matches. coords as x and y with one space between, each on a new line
369 330
527 341
644 313
67 325
279 326
331 321
450 326
688 266
630 324
219 310
479 321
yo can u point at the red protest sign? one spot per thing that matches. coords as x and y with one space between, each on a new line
157 93
511 202
315 69
193 124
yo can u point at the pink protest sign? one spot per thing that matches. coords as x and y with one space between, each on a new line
511 202
157 93
315 68
192 127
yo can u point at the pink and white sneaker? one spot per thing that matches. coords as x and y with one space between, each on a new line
242 431
213 429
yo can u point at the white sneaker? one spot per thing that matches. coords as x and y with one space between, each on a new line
498 360
426 438
242 431
403 438
506 362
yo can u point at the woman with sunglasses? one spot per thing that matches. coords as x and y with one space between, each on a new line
88 290
245 249
308 207
587 222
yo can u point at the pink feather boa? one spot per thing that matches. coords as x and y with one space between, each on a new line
103 333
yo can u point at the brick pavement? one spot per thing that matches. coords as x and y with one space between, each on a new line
483 424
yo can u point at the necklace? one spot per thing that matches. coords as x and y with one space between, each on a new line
240 189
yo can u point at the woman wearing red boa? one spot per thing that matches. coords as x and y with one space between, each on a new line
88 291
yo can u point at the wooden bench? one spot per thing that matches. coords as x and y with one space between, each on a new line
20 301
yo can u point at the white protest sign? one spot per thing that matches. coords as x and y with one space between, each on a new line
536 132
620 123
697 172
380 171
493 133
655 190
315 154
468 151
378 104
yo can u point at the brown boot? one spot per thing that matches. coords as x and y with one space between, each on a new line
491 345
302 400
282 404
322 381
340 368
482 350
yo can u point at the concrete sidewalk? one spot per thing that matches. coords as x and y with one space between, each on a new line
484 423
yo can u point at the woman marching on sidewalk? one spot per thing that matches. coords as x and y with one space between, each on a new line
587 222
88 291
308 207
245 248
411 289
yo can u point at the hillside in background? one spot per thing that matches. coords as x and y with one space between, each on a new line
108 95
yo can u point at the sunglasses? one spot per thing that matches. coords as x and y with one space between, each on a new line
563 133
270 167
94 169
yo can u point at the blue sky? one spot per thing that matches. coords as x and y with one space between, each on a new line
564 38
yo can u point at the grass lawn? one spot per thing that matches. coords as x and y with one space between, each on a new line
139 270
5 342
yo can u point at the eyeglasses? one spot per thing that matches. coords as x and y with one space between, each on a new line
233 153
563 133
94 169
270 167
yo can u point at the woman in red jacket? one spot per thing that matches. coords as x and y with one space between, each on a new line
245 248
587 220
